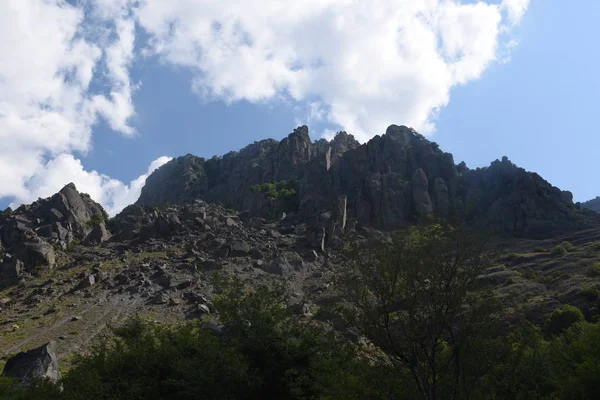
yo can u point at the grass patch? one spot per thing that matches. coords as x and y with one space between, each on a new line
71 246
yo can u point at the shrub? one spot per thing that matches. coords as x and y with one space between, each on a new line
591 292
95 220
283 192
562 249
562 318
539 250
512 256
594 270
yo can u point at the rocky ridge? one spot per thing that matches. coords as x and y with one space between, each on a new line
31 235
389 182
593 204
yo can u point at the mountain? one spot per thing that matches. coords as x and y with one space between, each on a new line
276 212
593 204
387 183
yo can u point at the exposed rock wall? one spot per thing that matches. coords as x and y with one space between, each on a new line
388 182
30 235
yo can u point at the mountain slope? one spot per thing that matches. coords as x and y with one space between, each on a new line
68 275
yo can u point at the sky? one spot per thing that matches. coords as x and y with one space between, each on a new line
102 92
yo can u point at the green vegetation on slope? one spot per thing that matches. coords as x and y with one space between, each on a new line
428 331
284 192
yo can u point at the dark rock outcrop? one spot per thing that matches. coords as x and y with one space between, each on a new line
388 182
38 363
31 234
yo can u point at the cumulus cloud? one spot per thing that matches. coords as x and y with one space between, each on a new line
113 194
51 54
369 63
515 9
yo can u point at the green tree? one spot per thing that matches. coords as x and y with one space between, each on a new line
416 297
295 360
575 360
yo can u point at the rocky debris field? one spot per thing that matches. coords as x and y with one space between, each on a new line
159 264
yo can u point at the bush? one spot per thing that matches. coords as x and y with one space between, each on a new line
594 270
562 318
591 292
95 220
284 192
512 256
539 250
562 249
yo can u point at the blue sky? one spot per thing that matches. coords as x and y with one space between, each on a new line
145 82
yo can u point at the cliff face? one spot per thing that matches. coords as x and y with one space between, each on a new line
386 183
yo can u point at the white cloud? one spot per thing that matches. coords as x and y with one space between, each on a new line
370 64
51 52
354 64
516 9
113 194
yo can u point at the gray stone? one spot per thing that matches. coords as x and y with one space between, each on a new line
37 363
99 234
161 298
86 282
203 309
240 248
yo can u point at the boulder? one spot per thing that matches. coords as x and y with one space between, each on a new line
37 363
99 234
278 266
10 271
240 248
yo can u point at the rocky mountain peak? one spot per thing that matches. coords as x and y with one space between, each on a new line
30 235
388 182
343 142
402 134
